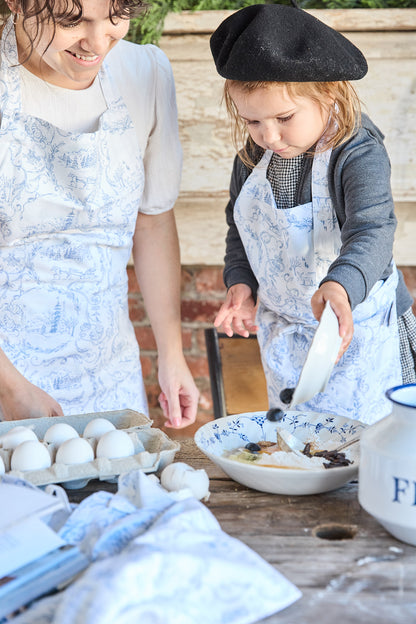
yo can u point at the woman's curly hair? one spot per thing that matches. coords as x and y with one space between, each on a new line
54 12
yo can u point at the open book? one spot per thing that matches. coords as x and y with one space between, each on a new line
33 557
34 580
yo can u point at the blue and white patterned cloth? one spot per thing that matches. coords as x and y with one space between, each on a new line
68 210
159 560
290 252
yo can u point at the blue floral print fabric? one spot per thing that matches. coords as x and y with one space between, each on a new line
159 560
290 252
68 209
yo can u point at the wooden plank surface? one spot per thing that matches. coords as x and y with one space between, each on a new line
368 577
202 230
202 22
243 375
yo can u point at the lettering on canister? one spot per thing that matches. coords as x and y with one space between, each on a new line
404 491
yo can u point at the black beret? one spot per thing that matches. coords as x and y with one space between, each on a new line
275 42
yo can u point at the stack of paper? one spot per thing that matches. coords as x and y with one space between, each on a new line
24 534
40 577
33 558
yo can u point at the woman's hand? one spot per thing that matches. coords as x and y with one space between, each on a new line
238 312
179 397
337 296
21 399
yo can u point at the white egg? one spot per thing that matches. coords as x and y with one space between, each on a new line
115 444
97 427
2 466
178 476
74 451
30 455
16 436
59 433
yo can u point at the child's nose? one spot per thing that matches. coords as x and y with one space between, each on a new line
271 135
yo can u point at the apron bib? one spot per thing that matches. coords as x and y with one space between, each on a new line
68 209
290 252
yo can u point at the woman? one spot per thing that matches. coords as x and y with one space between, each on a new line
90 167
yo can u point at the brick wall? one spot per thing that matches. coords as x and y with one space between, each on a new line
202 294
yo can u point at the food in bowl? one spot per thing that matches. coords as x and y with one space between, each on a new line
272 455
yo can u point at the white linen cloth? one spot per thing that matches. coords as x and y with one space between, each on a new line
159 560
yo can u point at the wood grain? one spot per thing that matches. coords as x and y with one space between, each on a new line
368 577
243 376
202 22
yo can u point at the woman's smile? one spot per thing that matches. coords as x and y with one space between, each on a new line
85 58
71 55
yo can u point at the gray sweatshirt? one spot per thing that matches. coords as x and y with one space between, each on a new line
359 186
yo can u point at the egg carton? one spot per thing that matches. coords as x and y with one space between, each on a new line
159 449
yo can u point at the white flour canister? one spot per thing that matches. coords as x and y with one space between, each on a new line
387 473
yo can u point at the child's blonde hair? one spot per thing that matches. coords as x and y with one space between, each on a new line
345 110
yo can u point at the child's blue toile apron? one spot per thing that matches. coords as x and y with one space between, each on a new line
290 252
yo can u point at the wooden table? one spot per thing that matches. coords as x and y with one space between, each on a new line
349 569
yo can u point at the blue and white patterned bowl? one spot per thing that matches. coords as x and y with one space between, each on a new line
328 430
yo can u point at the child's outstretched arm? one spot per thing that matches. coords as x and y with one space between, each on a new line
337 295
238 312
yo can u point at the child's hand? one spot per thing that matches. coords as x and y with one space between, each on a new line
337 295
238 312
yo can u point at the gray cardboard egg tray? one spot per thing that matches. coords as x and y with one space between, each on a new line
159 449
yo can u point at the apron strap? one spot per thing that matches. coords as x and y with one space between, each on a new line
107 85
10 99
264 161
326 230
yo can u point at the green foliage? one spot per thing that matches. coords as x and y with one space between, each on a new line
368 4
148 27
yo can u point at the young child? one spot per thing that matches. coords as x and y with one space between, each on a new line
311 216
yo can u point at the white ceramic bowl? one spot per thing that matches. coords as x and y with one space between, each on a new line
225 434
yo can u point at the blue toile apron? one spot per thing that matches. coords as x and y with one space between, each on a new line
68 210
290 252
